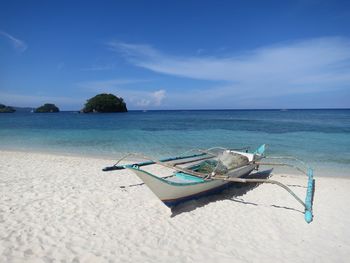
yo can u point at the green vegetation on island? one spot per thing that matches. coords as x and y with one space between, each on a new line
47 108
105 103
6 109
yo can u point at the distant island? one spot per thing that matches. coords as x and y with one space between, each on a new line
105 103
6 109
47 108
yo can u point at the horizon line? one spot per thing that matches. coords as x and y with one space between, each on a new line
223 109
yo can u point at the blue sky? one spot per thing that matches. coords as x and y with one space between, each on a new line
176 54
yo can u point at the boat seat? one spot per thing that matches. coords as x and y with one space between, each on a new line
180 177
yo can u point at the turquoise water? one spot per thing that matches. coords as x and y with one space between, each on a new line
321 137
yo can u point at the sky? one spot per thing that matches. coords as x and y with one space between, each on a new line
176 54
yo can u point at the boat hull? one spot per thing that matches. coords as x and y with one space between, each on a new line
174 202
173 193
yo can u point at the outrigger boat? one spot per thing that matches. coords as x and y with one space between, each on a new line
211 171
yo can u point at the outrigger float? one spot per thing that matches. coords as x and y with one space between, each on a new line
211 171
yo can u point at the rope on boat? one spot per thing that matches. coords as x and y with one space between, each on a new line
181 156
151 161
172 166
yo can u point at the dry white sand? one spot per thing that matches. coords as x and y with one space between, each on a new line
65 209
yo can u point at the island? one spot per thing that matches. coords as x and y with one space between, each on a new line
105 103
6 109
47 108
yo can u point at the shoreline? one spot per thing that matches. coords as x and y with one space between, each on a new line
130 160
59 153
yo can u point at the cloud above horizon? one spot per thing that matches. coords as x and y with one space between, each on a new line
16 43
138 98
298 67
148 99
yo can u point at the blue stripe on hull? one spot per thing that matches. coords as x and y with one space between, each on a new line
174 202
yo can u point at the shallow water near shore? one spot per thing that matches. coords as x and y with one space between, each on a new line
321 137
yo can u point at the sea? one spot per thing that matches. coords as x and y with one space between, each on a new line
319 137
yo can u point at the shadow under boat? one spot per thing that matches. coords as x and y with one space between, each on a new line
231 193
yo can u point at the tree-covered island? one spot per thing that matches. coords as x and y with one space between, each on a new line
105 103
6 109
47 108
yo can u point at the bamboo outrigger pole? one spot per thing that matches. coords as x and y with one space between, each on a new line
308 215
309 194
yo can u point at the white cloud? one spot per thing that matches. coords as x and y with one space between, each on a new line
17 44
158 97
143 98
297 67
154 99
143 103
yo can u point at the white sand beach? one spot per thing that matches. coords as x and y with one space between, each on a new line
65 209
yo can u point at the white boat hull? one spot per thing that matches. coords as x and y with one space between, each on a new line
173 193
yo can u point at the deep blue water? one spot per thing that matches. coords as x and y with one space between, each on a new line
321 137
